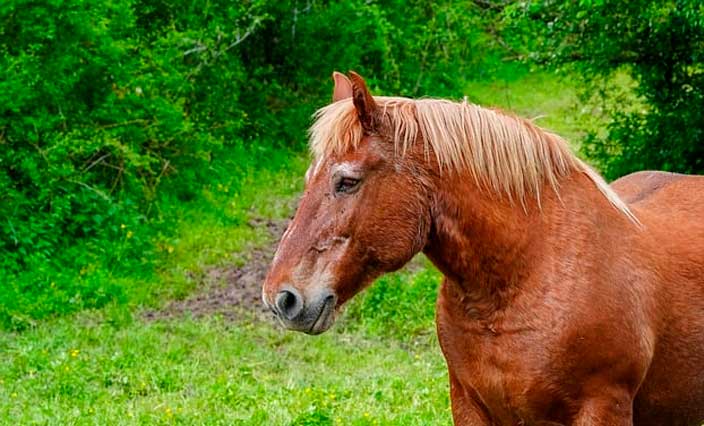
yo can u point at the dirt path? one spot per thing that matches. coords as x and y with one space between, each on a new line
230 290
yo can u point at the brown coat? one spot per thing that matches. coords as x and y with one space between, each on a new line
564 302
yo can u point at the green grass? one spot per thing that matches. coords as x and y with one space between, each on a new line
86 371
380 364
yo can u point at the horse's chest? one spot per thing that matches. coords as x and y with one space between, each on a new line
501 385
509 377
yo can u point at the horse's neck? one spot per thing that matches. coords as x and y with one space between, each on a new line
487 247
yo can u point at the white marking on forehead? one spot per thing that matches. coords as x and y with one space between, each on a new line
346 167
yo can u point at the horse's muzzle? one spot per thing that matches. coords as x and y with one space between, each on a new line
312 316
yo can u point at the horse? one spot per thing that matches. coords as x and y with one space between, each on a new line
564 300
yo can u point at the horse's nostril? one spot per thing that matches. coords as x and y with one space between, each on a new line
289 303
331 299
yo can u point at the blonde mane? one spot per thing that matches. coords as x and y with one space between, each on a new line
503 153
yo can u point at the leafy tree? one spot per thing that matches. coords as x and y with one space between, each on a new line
112 113
660 44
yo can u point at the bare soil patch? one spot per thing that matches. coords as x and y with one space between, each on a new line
229 290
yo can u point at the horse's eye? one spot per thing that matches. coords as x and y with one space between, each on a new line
345 185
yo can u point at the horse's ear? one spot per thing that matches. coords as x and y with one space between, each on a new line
343 87
363 101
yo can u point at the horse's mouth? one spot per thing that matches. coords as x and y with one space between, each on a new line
326 317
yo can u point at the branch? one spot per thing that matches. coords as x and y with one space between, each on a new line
96 162
239 38
97 191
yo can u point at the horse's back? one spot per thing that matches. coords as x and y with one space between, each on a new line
639 187
673 203
671 207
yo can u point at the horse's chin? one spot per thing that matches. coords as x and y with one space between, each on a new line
323 323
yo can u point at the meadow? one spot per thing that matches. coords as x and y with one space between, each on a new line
131 363
152 152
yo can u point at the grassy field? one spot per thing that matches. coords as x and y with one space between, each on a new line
380 365
86 370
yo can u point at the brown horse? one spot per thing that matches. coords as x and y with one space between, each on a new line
565 301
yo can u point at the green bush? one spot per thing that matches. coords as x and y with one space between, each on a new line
97 112
116 114
659 44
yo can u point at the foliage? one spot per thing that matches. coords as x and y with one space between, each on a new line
660 44
97 112
115 114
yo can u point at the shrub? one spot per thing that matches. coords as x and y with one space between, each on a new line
659 44
115 113
97 112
